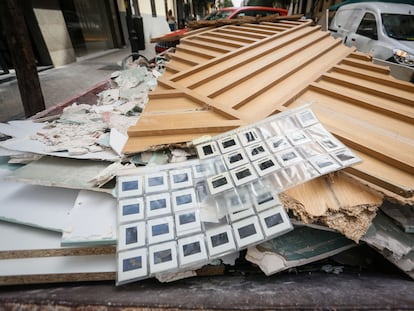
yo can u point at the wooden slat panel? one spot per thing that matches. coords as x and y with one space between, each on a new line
387 176
162 102
270 67
221 41
291 85
252 63
361 96
241 32
218 48
183 123
190 60
214 68
185 51
239 38
158 141
260 82
375 78
333 105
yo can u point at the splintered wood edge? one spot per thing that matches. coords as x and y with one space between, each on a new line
56 278
62 252
392 194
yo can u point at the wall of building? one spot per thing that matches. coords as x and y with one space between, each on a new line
54 31
153 26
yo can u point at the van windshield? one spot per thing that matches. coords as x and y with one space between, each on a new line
398 26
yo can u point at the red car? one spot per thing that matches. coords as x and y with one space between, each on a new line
225 13
229 13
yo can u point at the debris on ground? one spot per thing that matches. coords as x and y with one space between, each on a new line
194 151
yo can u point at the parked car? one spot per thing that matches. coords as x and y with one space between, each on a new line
384 30
225 13
230 13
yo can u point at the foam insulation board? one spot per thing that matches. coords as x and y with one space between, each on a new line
301 246
34 205
31 255
336 202
61 172
392 242
92 220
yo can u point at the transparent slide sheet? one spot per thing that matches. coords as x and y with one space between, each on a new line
176 216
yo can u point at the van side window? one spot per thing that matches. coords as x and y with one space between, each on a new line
368 27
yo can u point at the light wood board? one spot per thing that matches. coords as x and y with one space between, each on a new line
230 76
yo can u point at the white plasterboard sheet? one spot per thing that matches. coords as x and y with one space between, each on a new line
25 144
33 205
92 220
58 265
16 237
117 140
20 128
7 152
61 172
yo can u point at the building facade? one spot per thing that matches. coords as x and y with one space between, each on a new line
62 31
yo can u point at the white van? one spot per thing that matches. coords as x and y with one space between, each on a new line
385 30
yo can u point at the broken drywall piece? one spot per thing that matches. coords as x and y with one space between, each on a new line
150 158
77 133
403 215
134 81
394 244
19 128
175 276
301 246
179 155
117 141
108 97
26 144
36 206
61 172
109 172
92 220
24 158
7 152
31 255
120 122
347 207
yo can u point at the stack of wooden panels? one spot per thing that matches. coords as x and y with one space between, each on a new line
225 77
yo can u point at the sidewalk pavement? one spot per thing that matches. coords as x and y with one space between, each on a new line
63 83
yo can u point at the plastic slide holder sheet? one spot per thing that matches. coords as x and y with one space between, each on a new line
168 219
284 150
176 216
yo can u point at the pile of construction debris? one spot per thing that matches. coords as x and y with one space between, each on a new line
64 177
